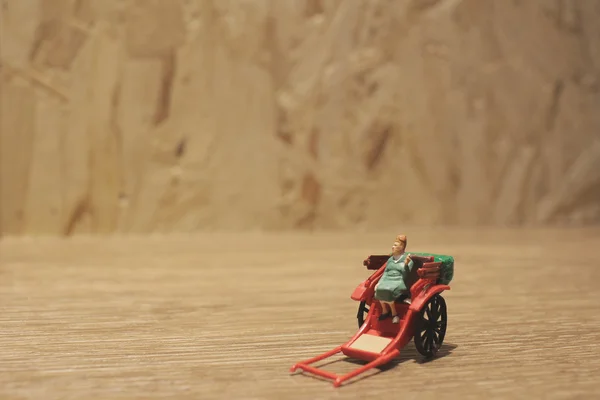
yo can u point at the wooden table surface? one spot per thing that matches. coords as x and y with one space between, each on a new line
225 316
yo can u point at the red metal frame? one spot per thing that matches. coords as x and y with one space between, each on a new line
400 334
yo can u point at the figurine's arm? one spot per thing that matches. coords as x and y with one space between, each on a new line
408 264
384 272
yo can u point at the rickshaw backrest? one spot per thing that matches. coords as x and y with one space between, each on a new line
374 262
425 264
414 274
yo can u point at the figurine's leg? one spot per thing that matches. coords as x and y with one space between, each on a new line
406 298
395 318
384 312
384 307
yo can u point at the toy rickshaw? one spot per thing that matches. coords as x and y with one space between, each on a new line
424 319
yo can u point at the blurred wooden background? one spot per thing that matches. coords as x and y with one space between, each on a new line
183 115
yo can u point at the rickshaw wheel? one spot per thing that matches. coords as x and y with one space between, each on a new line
363 310
430 327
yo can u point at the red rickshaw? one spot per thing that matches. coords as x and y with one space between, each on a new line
424 319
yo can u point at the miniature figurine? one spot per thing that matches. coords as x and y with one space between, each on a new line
423 318
392 286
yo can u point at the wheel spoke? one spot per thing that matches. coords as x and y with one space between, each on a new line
436 338
363 310
435 316
439 307
433 308
429 316
429 340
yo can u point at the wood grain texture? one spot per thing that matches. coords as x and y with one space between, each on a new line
225 316
184 115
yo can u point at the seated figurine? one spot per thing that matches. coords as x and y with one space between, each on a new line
392 284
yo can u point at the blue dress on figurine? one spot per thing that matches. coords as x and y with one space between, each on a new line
392 283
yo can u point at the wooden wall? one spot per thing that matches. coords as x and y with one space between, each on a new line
182 115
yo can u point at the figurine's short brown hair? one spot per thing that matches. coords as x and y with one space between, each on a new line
401 239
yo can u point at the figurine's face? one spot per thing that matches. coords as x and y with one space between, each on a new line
397 248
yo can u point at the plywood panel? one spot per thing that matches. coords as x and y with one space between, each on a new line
200 115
